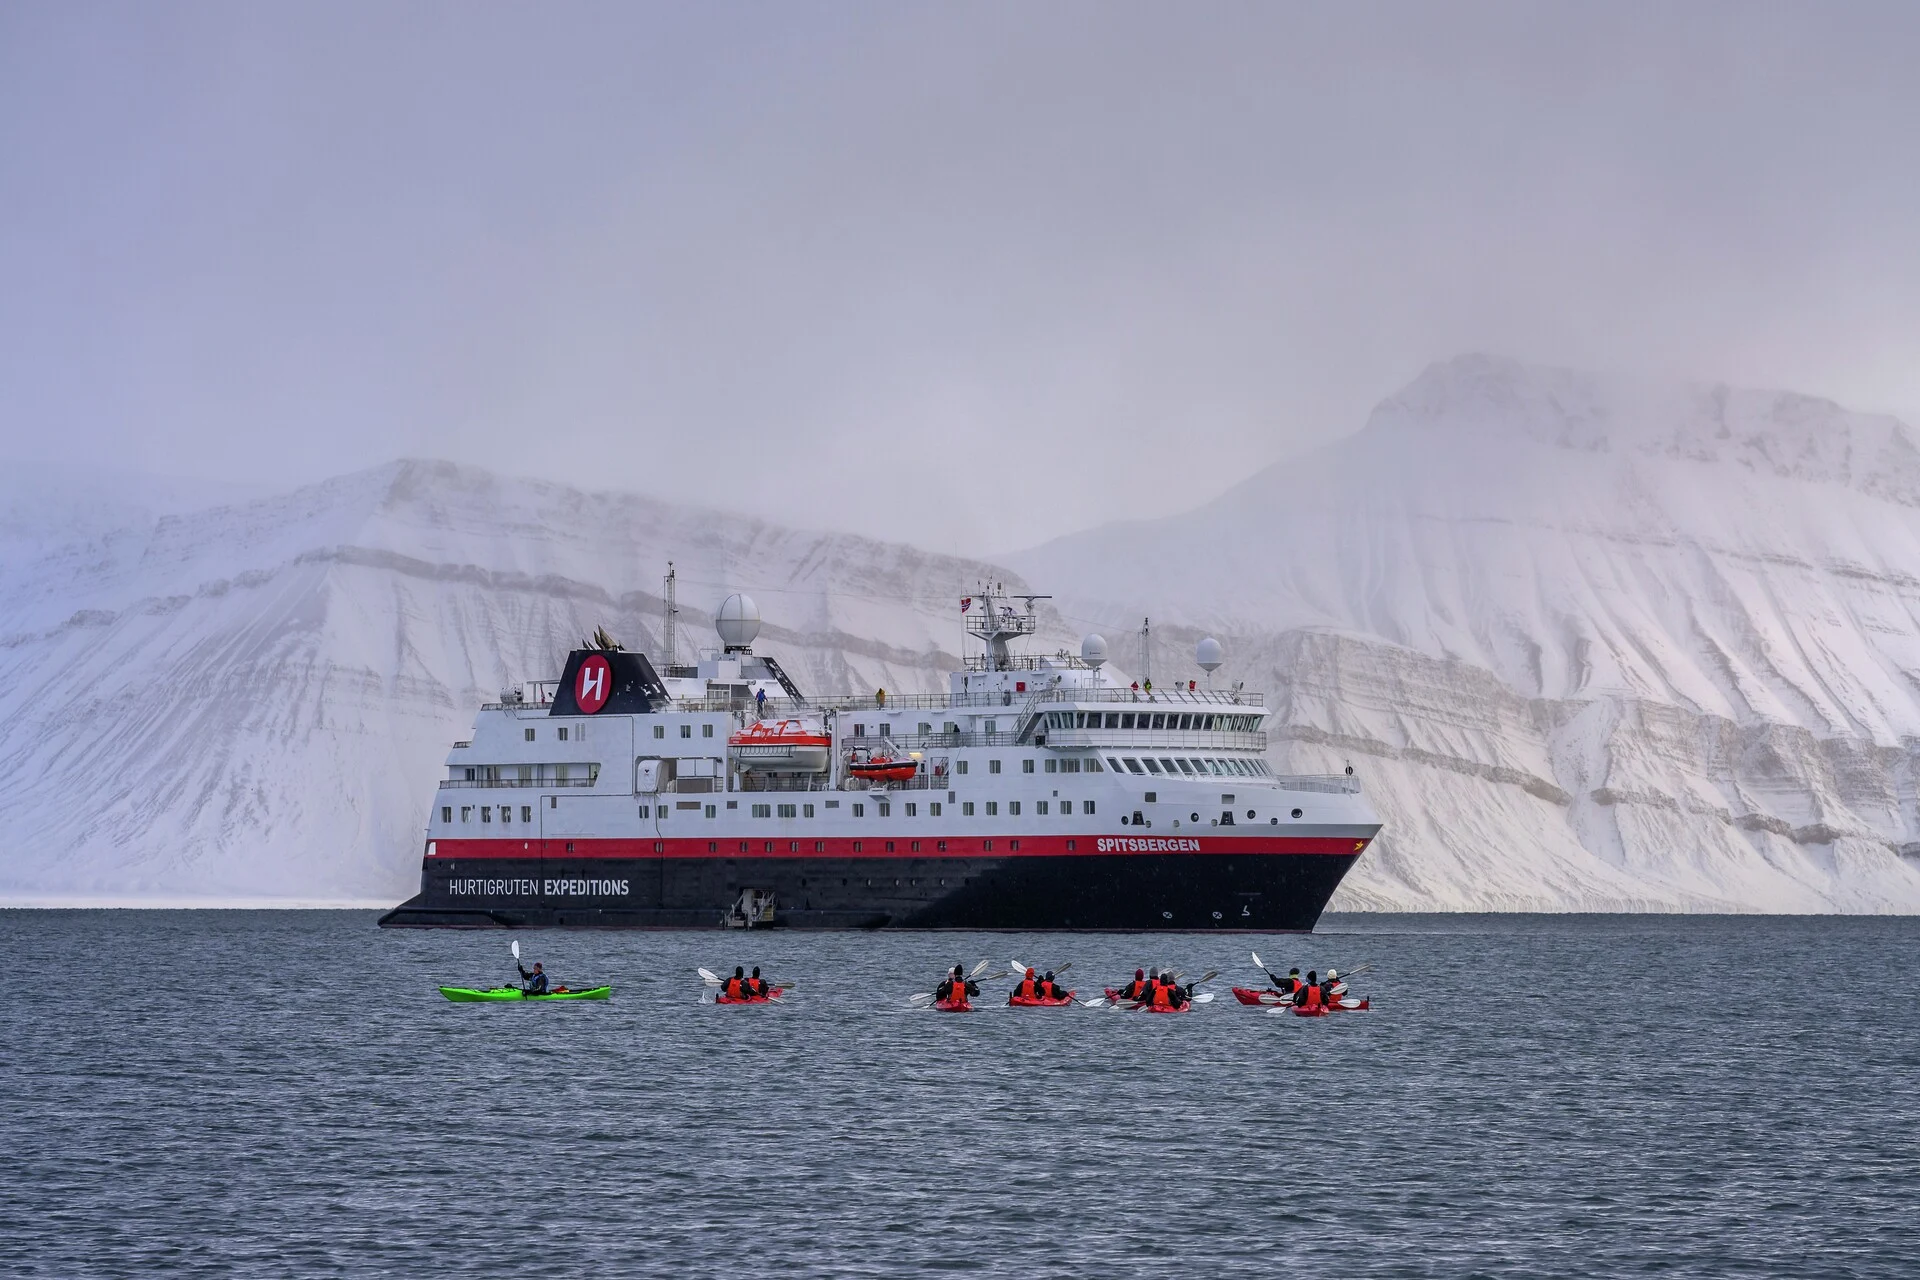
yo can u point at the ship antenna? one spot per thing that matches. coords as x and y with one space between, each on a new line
1146 650
669 642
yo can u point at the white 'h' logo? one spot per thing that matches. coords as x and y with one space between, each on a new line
591 679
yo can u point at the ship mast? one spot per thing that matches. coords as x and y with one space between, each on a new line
669 642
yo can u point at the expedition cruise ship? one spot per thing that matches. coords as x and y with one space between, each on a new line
1038 793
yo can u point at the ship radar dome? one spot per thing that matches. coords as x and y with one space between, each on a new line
737 621
1209 655
1093 649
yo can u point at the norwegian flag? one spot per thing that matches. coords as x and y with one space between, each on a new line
966 603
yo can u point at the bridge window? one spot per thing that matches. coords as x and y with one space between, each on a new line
1152 767
1126 720
1070 765
1186 766
1093 764
1134 765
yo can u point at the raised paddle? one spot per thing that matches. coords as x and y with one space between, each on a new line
709 977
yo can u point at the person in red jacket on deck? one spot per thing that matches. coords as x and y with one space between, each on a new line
1028 988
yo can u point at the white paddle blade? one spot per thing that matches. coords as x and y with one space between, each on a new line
919 998
1203 997
709 977
1280 1009
516 948
1016 967
1094 1003
1272 999
1256 960
980 968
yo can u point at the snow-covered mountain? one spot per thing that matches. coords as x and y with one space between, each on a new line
253 701
1591 642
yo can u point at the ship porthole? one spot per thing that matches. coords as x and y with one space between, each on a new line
1166 915
1249 813
1216 915
1193 817
1296 813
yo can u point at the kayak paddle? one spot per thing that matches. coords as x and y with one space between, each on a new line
709 977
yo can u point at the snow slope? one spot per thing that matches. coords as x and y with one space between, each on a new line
252 702
1593 643
1590 644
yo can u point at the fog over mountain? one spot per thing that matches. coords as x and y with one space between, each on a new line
1589 642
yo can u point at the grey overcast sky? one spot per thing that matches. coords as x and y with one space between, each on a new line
965 275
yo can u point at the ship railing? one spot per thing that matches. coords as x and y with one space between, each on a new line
447 784
1331 784
1150 740
782 782
1009 699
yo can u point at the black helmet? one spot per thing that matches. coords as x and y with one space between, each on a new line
1049 975
1293 973
739 972
1312 976
756 971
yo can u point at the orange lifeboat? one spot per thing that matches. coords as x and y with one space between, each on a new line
781 746
883 769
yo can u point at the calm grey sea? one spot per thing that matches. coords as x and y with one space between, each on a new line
284 1093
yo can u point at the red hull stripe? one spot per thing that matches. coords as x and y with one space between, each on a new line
896 847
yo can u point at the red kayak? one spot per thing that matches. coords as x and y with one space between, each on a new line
1035 1002
766 999
1274 1000
1139 1007
953 1006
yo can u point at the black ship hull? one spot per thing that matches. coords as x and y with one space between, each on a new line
1248 888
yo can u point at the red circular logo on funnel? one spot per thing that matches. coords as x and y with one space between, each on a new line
592 684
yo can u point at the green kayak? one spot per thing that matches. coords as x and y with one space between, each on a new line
515 993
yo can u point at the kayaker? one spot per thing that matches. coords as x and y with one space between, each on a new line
956 987
1309 995
1334 988
736 987
1029 987
1162 996
1048 991
536 982
1292 984
756 985
1137 989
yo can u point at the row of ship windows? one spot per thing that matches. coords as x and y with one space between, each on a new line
883 809
1054 765
1193 766
1166 720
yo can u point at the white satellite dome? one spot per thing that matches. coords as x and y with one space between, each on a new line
1093 649
737 621
1209 655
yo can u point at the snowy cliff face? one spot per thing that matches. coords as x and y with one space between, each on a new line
254 701
1590 644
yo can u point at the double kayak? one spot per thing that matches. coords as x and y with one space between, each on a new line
952 1006
1119 1000
772 996
461 995
1039 1002
1273 999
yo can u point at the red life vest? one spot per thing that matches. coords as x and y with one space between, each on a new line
1048 991
756 986
1162 996
1313 996
1028 989
734 988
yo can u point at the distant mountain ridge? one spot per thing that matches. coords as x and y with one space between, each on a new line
1590 643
